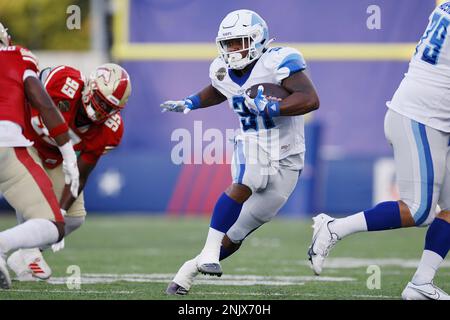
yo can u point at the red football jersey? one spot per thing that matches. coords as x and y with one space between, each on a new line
14 61
65 85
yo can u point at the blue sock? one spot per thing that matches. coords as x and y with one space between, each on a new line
438 237
225 213
384 216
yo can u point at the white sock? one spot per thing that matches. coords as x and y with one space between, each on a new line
349 225
211 250
428 266
185 276
30 234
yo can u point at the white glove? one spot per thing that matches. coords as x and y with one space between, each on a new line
70 167
184 106
59 245
257 104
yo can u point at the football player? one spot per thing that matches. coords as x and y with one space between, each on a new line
23 183
269 152
417 125
91 107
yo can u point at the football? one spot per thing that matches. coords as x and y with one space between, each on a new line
270 90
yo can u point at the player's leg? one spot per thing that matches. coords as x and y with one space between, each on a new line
27 188
30 263
420 155
246 173
259 209
247 164
437 245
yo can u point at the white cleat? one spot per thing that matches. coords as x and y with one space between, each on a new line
426 291
323 241
5 279
29 265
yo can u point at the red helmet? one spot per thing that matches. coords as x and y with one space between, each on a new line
106 92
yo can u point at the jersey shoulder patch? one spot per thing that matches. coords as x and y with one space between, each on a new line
218 70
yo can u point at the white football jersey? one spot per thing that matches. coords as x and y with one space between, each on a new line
278 136
423 94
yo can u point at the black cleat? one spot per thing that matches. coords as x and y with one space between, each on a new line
212 269
175 289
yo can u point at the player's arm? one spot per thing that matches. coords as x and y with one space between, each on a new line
207 97
303 98
85 169
57 127
51 116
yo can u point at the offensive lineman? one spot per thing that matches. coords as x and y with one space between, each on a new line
24 184
417 124
91 107
269 154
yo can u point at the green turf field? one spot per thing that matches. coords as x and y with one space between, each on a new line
134 257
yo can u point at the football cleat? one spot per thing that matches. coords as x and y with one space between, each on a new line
212 269
29 265
426 291
5 279
175 289
323 241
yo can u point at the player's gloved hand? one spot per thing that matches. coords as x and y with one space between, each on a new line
70 167
58 246
260 104
184 106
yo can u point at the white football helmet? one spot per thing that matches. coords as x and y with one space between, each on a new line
106 92
251 29
5 39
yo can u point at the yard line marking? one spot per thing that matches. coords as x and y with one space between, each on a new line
348 263
312 295
226 280
67 291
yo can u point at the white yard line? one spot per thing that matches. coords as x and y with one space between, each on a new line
67 291
226 280
348 263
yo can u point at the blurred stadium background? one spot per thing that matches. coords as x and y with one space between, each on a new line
167 45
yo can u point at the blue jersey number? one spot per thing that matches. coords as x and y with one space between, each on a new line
438 27
248 119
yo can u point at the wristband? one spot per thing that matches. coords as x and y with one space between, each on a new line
273 109
59 129
195 99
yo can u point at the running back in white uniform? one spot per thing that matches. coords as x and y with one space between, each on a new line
269 153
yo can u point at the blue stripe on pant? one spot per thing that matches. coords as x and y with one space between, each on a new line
426 172
240 162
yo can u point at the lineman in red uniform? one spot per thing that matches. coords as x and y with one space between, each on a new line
23 183
91 108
